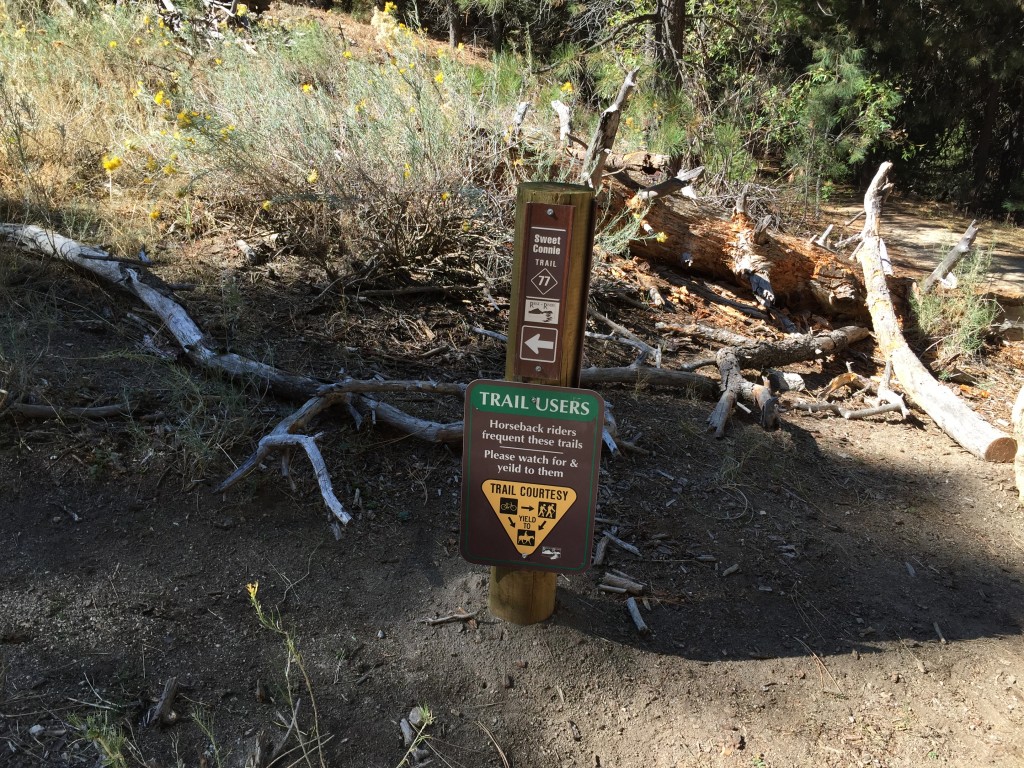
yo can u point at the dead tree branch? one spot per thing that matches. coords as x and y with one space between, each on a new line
956 253
604 135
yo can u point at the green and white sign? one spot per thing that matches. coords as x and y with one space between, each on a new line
531 456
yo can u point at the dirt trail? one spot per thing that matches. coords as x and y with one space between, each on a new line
918 233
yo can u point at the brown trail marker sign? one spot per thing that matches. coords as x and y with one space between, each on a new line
547 318
530 469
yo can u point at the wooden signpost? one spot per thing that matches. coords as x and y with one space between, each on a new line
550 285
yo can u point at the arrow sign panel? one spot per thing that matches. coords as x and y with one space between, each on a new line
539 343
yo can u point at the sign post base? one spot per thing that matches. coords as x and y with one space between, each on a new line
521 597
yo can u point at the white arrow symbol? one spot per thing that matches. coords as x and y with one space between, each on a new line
536 344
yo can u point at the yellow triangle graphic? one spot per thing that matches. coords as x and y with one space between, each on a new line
528 511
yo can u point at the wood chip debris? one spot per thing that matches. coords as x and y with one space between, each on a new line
612 582
622 544
634 613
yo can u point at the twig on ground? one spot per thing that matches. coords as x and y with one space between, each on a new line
501 753
450 618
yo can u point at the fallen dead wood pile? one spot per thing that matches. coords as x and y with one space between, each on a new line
357 396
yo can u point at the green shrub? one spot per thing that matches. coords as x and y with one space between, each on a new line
957 320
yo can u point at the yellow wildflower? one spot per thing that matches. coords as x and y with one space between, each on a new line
145 20
154 214
184 119
241 9
408 171
160 99
307 87
111 163
266 205
460 46
390 7
252 589
112 44
445 196
439 78
412 110
347 54
169 169
661 237
567 87
312 176
218 62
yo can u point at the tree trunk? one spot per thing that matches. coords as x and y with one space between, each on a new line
497 31
668 38
946 409
454 24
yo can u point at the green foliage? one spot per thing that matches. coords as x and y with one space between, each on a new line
108 738
374 167
957 321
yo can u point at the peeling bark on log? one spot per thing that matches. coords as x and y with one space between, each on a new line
700 241
942 405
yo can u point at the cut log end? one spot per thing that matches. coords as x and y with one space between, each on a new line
1001 450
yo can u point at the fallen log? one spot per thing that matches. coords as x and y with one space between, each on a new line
731 360
947 410
795 349
1018 433
699 241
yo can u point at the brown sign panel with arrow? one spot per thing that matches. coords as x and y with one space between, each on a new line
542 287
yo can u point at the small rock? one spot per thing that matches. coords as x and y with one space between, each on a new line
522 664
415 717
895 677
36 731
408 734
380 634
508 682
